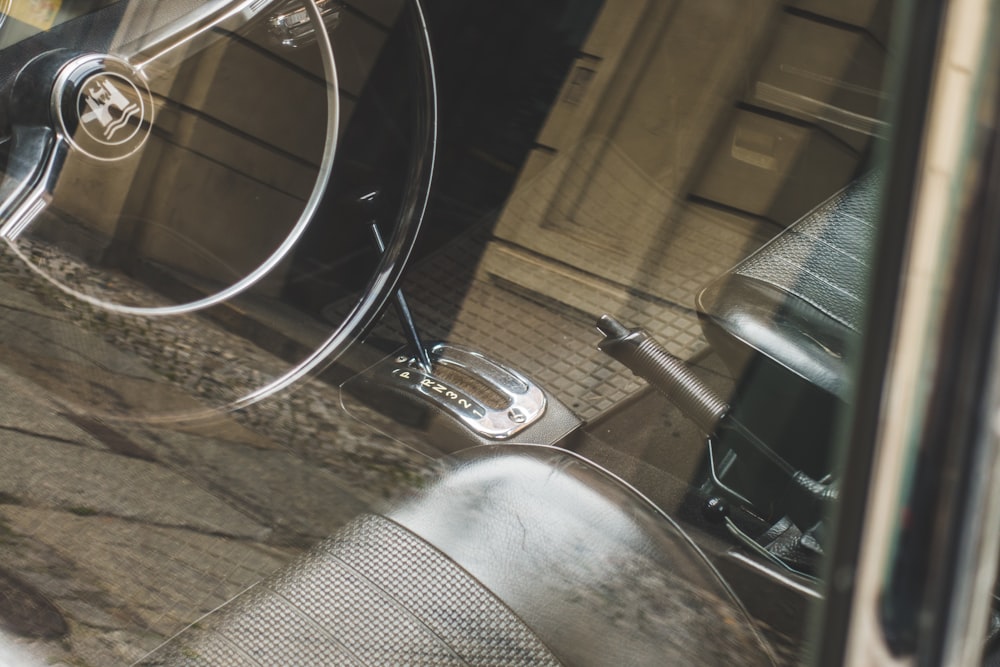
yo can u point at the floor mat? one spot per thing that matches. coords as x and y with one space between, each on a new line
492 306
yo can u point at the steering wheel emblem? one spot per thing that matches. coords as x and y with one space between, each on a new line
109 107
103 107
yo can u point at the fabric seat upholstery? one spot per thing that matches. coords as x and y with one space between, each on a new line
512 555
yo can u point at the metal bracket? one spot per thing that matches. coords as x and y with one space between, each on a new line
292 26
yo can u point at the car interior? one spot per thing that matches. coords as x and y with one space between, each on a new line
437 332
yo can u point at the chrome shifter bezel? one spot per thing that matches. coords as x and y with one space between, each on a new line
526 402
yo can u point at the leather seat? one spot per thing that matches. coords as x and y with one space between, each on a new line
799 299
512 555
787 320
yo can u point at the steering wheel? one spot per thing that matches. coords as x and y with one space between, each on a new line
99 107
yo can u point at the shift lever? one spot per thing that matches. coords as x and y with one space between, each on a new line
490 399
420 354
405 316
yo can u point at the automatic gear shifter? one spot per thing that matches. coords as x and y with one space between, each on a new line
489 399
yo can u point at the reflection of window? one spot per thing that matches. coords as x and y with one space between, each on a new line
578 83
20 19
40 14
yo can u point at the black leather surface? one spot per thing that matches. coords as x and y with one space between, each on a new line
823 258
599 575
800 299
513 555
748 315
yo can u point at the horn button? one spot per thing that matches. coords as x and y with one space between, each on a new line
103 107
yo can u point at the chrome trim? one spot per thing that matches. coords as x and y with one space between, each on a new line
775 575
524 401
193 32
291 26
31 194
32 205
382 286
712 472
136 81
943 176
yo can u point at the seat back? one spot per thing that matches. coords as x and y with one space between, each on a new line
799 299
786 321
513 555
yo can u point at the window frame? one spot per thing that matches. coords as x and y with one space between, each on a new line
918 525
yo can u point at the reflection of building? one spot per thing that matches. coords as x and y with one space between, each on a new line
498 67
260 134
693 129
233 157
693 124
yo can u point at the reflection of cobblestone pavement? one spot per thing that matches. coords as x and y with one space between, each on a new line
133 529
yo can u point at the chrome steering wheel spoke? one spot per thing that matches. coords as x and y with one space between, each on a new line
171 42
34 163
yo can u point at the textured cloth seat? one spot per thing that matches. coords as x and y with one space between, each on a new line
513 555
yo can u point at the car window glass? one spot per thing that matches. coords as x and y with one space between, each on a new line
646 246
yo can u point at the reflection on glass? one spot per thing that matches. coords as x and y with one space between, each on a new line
152 164
695 176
